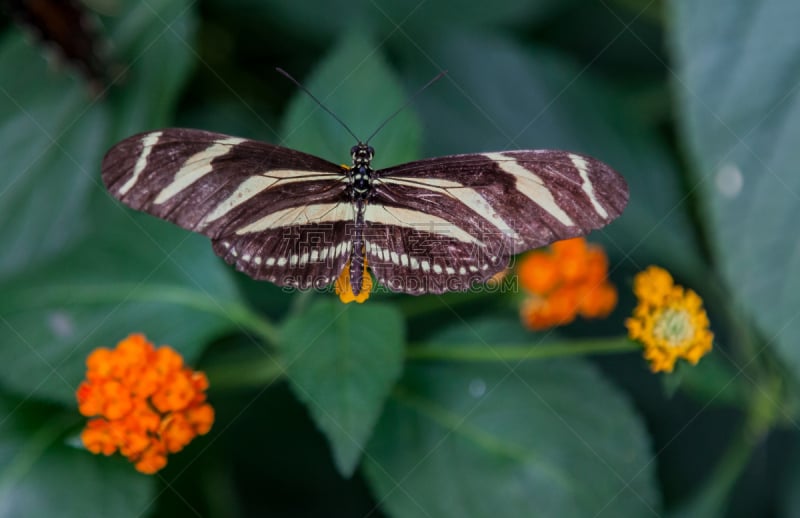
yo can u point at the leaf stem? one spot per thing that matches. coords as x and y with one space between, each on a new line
252 321
483 353
88 294
244 371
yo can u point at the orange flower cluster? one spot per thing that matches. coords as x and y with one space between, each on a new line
569 279
143 402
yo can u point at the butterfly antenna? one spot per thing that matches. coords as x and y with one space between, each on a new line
303 88
410 100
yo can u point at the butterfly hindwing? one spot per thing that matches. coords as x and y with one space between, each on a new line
300 256
417 260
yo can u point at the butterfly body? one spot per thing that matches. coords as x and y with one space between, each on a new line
360 192
430 226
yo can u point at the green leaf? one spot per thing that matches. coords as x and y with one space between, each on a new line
524 444
140 275
148 35
356 83
499 96
44 476
342 361
538 438
51 147
53 134
740 113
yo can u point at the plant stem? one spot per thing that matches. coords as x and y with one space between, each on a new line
713 497
482 353
244 371
252 321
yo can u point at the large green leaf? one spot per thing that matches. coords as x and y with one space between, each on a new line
50 147
736 65
43 476
543 438
149 35
53 133
356 83
499 96
139 275
342 361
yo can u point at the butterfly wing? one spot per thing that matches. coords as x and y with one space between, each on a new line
275 213
443 224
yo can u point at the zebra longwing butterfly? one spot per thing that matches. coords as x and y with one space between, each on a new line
428 226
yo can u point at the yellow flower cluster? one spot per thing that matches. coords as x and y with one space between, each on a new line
669 321
569 279
142 402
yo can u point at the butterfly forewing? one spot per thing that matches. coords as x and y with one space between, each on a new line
474 211
277 214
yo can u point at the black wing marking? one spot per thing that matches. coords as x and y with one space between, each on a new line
478 210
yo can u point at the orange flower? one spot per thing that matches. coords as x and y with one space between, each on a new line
345 291
538 272
143 402
597 300
669 321
567 280
571 258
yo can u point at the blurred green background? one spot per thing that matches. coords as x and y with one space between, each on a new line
323 409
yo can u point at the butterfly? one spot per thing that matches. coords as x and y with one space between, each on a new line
429 226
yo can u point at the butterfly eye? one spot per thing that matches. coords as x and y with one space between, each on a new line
353 150
371 151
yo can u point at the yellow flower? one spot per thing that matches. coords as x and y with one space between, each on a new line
669 321
569 279
653 285
345 291
143 403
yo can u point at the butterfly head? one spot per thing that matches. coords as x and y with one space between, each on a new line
362 154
